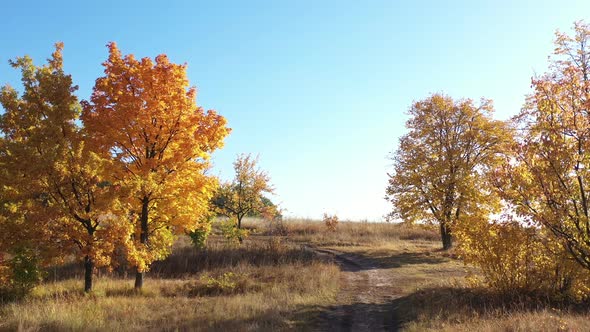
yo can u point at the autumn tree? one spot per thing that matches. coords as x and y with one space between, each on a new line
269 209
440 165
55 191
548 179
244 194
143 114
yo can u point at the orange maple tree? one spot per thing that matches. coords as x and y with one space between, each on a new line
143 114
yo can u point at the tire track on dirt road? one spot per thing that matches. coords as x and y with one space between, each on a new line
364 302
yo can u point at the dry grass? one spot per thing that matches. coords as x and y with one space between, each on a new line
410 253
413 265
272 286
544 320
432 291
277 285
467 309
347 233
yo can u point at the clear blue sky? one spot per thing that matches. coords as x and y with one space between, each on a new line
318 88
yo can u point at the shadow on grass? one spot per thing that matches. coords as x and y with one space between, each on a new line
369 317
187 260
358 317
440 304
270 320
456 304
305 318
71 270
409 258
354 262
190 261
447 304
75 270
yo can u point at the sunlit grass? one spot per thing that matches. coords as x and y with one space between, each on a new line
274 292
347 233
280 285
429 285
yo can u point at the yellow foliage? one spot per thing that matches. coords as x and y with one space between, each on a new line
547 175
244 194
441 164
57 195
144 114
513 257
234 234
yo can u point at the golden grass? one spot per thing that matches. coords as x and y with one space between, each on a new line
430 285
278 287
544 320
464 308
347 233
413 265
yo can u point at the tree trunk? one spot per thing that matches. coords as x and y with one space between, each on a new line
138 280
240 227
446 236
88 269
143 239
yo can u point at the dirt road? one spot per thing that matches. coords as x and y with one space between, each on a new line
364 302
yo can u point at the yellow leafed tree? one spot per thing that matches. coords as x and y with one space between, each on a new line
55 190
243 195
441 163
548 181
144 114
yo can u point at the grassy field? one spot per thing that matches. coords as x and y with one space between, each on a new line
432 291
275 281
262 285
347 233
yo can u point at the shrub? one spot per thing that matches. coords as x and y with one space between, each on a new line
228 283
331 221
200 235
20 274
513 257
229 230
277 226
